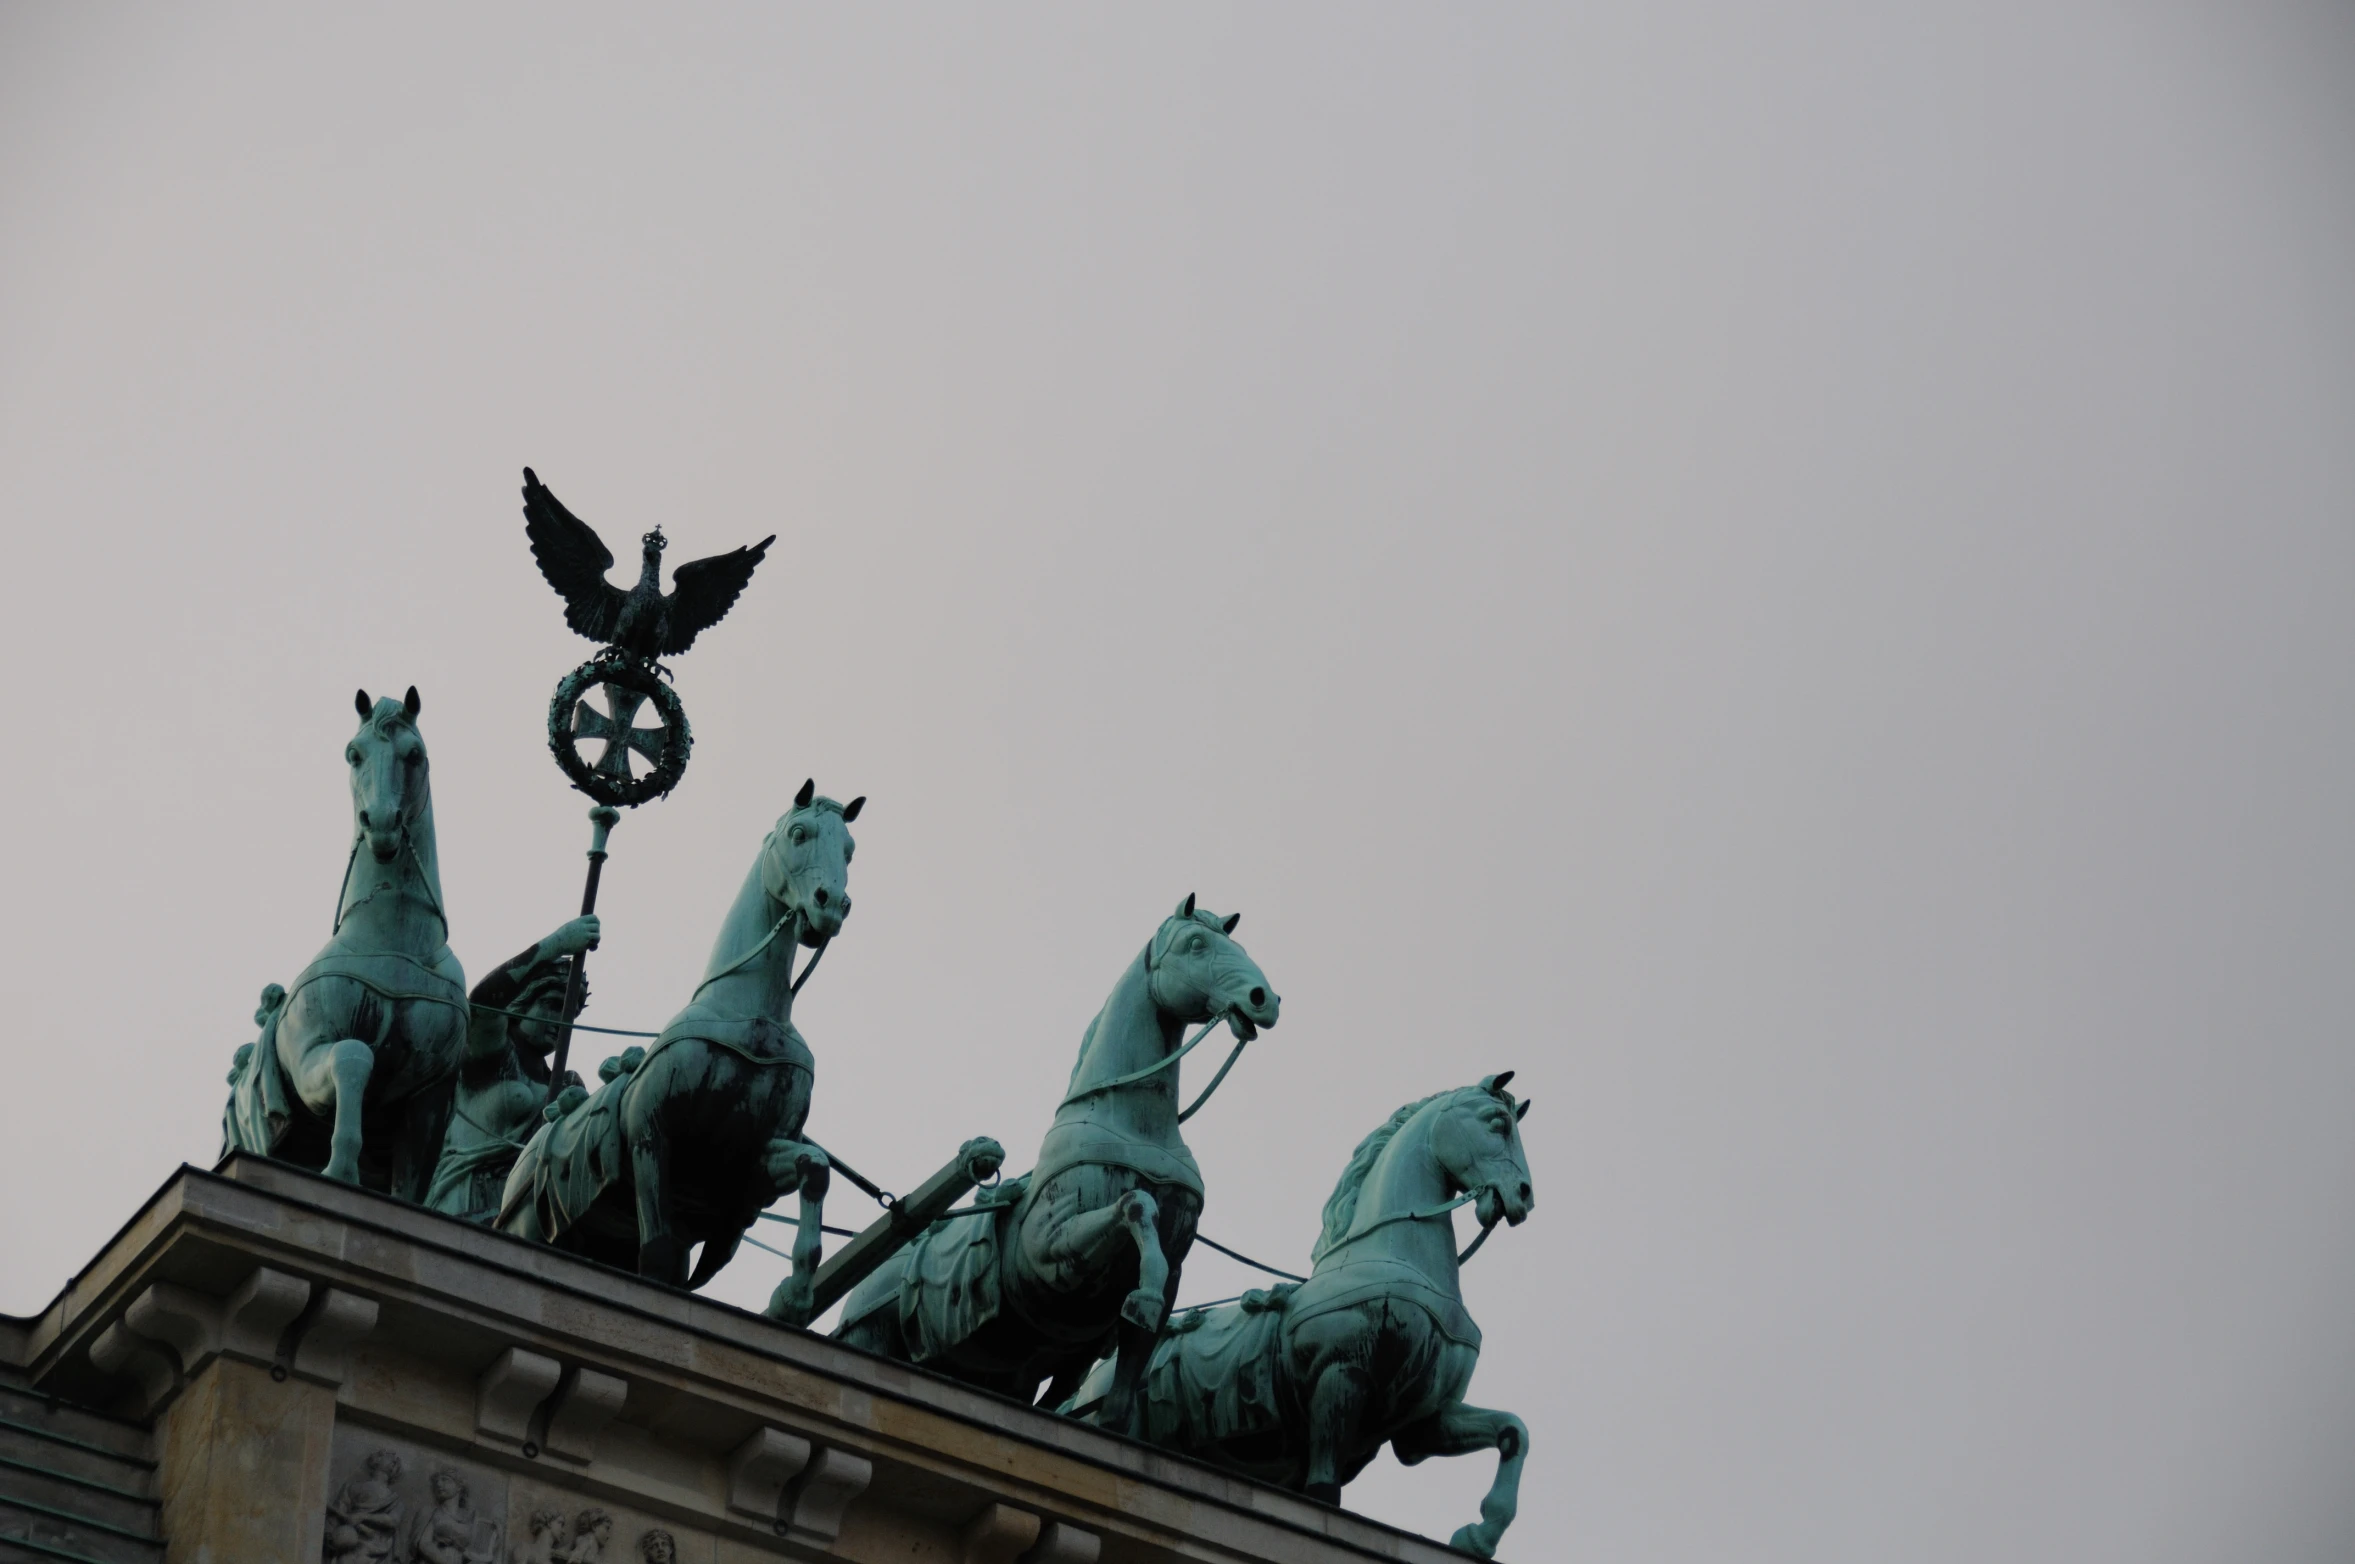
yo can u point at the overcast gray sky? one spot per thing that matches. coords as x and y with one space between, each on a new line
1784 572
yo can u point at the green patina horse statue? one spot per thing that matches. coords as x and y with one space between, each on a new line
354 1070
1300 1385
687 1142
1082 1254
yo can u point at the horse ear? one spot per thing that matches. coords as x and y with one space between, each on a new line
850 811
1522 1111
363 705
1186 907
1496 1083
411 705
1233 918
809 790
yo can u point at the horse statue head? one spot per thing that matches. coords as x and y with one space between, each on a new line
390 785
805 863
1196 972
1477 1142
1450 1145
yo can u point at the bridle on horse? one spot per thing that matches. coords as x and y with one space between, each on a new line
791 915
408 847
1429 1213
1166 1061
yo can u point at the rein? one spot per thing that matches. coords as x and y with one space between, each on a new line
1429 1213
1152 1069
792 916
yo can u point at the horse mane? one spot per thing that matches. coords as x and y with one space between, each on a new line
1341 1209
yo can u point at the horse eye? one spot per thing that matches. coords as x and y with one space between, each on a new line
352 755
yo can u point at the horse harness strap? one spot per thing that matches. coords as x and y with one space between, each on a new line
745 960
1153 1069
1389 1280
311 974
409 846
1429 1213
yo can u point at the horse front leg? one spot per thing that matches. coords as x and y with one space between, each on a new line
1141 1312
332 1081
1460 1430
804 1169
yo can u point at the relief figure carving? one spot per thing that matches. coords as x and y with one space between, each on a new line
551 1538
364 1517
452 1533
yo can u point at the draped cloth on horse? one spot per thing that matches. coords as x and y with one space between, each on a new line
950 1287
260 1097
568 1164
1227 1378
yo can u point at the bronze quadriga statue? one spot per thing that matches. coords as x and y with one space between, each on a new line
688 1140
1302 1384
1081 1255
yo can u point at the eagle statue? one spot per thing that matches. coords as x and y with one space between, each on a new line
645 622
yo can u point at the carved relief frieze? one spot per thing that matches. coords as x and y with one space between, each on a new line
394 1502
554 1528
396 1505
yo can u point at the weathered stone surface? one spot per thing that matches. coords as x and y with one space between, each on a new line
244 1466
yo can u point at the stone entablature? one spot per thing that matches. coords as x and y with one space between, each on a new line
337 1374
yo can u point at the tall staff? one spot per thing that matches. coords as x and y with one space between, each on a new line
635 627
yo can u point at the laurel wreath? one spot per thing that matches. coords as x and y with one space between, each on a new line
638 677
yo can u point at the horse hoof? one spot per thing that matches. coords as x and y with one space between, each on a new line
1142 1309
1327 1493
1468 1540
343 1172
788 1308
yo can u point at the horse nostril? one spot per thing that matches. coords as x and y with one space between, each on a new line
1524 1194
821 896
1259 996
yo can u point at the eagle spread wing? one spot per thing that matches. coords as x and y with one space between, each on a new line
703 590
574 559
